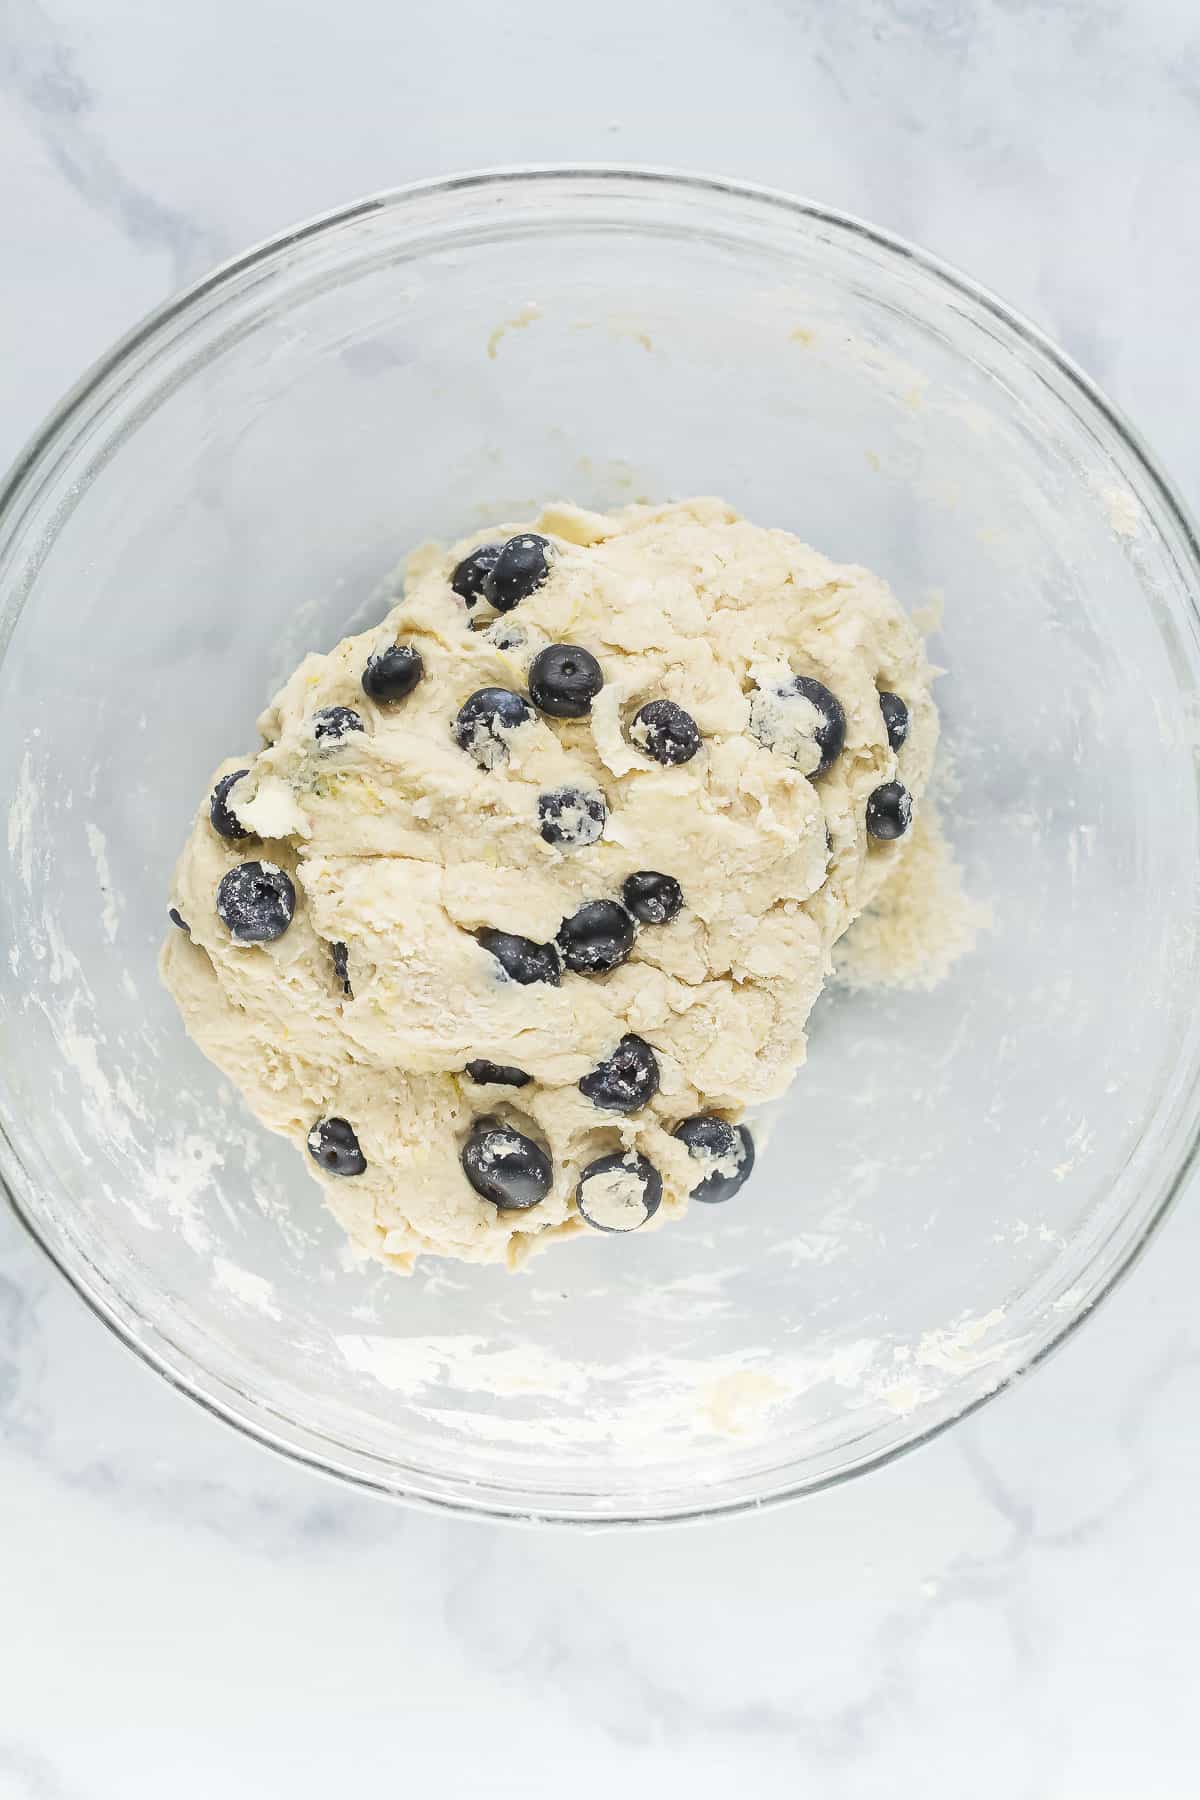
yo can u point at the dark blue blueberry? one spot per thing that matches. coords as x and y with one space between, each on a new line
223 820
829 734
521 959
505 1166
490 1074
333 723
341 967
482 720
713 1140
570 817
608 1204
177 919
469 577
889 811
257 902
596 938
333 1145
393 674
564 680
665 732
895 717
654 899
517 572
625 1081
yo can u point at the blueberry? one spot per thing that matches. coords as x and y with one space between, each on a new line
777 721
223 820
889 811
665 732
490 1074
596 938
469 577
393 674
341 967
895 717
257 902
564 680
332 1143
618 1192
654 899
506 1167
333 723
519 569
727 1150
483 719
625 1081
521 959
177 919
569 816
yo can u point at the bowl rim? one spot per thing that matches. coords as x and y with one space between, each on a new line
58 424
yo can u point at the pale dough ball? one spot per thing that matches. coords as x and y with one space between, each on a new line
402 842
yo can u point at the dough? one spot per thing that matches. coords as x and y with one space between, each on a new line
401 845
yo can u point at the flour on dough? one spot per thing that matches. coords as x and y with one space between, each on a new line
402 848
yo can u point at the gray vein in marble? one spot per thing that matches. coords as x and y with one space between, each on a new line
588 1654
46 1336
1134 1424
27 1773
38 71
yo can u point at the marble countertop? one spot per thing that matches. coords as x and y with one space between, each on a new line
1011 1612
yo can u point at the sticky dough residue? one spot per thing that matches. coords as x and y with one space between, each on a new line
920 925
640 1402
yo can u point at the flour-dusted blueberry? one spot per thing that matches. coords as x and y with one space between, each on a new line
596 938
490 1074
333 1145
724 1152
889 811
653 899
794 716
625 1081
505 1166
572 818
474 569
519 570
340 956
564 680
664 731
223 821
618 1192
483 720
895 717
521 959
333 723
392 674
177 919
257 902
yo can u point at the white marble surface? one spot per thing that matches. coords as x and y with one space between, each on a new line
1011 1613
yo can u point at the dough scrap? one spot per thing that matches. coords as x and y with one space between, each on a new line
402 847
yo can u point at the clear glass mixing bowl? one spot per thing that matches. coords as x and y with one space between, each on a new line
957 1177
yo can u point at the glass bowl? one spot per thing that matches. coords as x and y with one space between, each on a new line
957 1176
